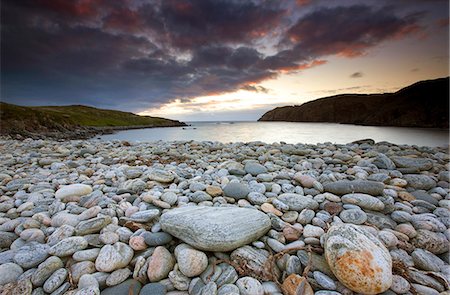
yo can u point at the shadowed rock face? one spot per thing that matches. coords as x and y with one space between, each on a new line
215 229
423 104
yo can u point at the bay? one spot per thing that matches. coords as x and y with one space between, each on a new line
289 132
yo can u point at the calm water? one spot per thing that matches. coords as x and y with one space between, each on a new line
285 131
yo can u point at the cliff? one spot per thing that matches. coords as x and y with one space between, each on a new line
423 104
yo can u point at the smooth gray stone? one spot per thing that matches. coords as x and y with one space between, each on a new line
419 181
325 281
153 289
298 202
215 228
318 262
343 187
417 163
383 162
228 289
355 216
156 239
424 196
254 168
55 280
45 270
93 225
380 220
6 239
426 260
31 255
236 190
9 272
68 246
436 243
144 216
364 201
228 275
128 287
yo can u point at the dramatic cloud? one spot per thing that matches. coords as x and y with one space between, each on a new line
139 54
356 75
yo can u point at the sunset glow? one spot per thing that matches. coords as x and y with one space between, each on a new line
216 60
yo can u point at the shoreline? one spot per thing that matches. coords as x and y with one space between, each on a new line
79 132
186 217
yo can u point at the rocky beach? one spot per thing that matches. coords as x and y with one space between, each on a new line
207 218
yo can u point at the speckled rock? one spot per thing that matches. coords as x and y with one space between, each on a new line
113 257
191 262
9 272
31 255
249 286
358 259
215 228
364 201
45 270
298 202
160 264
434 242
68 246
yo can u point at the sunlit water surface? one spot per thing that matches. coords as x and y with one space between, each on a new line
288 132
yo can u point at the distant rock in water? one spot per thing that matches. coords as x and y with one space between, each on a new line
423 104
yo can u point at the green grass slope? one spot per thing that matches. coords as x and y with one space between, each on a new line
16 119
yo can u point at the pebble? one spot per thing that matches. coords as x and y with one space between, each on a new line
399 285
128 287
426 260
31 255
364 201
311 231
9 272
67 192
254 168
191 262
106 212
343 187
236 190
354 216
324 281
45 270
118 276
160 264
358 259
249 286
156 239
68 246
153 289
112 257
55 280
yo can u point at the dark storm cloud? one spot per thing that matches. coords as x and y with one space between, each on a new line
138 54
356 75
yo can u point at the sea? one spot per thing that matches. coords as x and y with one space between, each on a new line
288 132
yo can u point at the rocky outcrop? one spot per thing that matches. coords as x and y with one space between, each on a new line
423 104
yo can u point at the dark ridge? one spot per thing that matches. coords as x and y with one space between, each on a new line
423 104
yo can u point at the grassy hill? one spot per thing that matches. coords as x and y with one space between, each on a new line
423 104
74 121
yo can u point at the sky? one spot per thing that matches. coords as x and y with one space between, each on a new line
212 60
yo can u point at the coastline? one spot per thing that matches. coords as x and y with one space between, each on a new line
165 215
79 132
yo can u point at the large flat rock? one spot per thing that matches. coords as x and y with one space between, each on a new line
215 228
